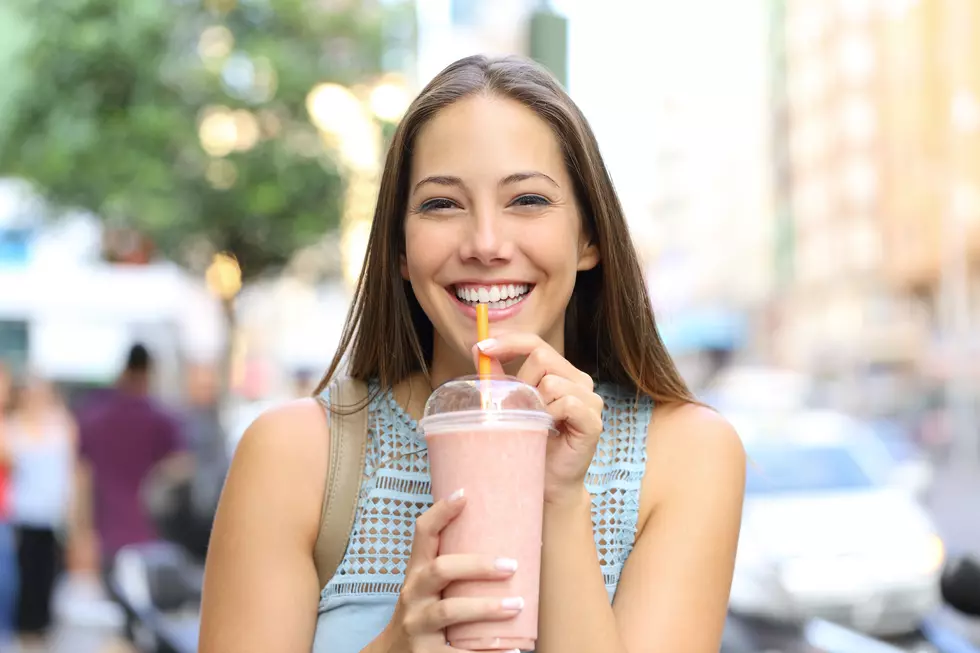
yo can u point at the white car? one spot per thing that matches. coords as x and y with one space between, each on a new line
824 534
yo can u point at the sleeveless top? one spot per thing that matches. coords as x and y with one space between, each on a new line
359 600
41 480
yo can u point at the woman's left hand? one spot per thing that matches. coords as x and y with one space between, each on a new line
570 399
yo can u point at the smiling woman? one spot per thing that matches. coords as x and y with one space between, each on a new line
494 192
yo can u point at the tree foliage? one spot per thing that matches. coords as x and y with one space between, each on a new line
117 92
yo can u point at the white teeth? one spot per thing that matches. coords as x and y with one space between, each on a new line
497 296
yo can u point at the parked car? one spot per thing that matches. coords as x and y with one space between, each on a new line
826 534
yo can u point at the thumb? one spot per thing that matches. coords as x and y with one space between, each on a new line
495 367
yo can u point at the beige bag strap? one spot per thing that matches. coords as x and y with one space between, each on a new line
348 445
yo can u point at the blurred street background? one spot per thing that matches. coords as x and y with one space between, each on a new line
801 178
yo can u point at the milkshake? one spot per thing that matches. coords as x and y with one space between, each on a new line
489 436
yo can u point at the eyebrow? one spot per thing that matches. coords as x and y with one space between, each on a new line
449 180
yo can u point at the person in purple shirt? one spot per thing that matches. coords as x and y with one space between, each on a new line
124 438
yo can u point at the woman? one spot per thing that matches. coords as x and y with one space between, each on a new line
41 436
493 177
8 547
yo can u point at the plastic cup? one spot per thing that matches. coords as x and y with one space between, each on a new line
488 436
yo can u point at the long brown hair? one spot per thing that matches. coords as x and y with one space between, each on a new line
610 331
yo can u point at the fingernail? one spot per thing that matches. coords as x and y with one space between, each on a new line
487 345
512 603
456 496
505 564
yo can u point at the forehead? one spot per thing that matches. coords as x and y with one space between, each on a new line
486 136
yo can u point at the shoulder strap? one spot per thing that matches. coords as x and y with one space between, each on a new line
348 445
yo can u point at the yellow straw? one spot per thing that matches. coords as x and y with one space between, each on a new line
482 333
485 370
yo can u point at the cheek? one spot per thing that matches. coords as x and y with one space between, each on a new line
426 252
554 250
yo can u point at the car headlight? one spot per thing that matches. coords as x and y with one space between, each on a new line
933 554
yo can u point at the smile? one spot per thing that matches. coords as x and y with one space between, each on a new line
496 296
504 300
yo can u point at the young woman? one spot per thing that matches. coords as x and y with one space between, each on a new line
493 180
8 543
42 439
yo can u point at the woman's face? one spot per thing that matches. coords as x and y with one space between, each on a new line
492 217
37 395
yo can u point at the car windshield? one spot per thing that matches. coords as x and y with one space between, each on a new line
780 468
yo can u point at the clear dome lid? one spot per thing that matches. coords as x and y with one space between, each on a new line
475 401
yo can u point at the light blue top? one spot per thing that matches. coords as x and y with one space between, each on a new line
359 600
42 475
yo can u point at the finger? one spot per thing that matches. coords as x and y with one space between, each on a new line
577 416
508 346
442 614
552 387
434 577
540 357
425 544
495 367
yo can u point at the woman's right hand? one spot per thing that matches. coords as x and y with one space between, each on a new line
422 615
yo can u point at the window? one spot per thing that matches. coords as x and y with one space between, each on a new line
856 11
14 345
15 246
861 181
856 58
858 121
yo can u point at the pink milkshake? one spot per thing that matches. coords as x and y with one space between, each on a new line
489 437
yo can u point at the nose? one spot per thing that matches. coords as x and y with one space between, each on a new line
488 240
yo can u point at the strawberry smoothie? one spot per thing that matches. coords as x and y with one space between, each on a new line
497 457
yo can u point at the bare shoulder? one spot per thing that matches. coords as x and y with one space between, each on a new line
693 432
300 424
284 453
690 448
294 435
260 579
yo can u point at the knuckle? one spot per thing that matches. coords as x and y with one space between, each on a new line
439 570
588 382
411 581
413 622
442 612
423 525
548 384
537 355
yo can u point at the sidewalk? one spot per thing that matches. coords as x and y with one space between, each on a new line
87 622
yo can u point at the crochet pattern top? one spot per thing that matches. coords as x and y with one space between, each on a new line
359 600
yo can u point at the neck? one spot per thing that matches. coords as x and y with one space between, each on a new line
132 384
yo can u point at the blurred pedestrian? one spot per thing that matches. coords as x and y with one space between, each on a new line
125 436
41 436
8 549
190 505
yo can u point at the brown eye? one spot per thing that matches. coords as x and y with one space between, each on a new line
437 204
531 200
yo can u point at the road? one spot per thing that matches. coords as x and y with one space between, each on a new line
955 505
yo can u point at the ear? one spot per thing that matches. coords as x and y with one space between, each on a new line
403 266
588 256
